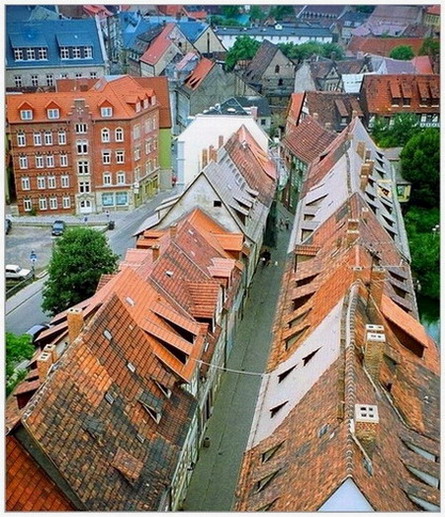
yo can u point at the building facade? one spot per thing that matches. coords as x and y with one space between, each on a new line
85 151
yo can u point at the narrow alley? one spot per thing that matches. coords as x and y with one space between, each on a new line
214 480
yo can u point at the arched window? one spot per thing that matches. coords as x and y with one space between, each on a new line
277 69
105 135
119 134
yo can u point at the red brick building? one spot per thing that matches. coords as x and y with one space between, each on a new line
85 148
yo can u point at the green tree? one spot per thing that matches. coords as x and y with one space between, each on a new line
404 126
256 13
279 12
420 164
224 22
243 48
79 258
333 50
404 52
230 11
430 47
18 348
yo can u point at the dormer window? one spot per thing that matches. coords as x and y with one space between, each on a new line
145 104
26 114
43 53
18 54
64 53
76 52
153 100
30 54
87 52
106 112
53 113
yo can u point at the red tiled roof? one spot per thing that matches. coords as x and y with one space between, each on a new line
378 91
199 73
160 86
28 487
382 46
308 140
294 108
159 46
433 9
422 64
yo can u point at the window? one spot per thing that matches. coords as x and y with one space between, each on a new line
50 160
34 80
147 146
62 137
79 75
106 112
53 203
155 144
147 125
64 181
43 204
119 134
26 114
105 134
309 357
64 53
51 182
137 173
81 129
283 375
76 52
48 138
136 131
41 182
23 162
49 79
107 200
53 113
18 81
121 198
120 156
280 82
27 205
266 456
30 54
43 53
21 139
121 178
275 409
37 137
147 167
277 69
84 187
83 167
262 483
18 54
39 161
107 178
66 202
63 160
93 75
82 146
366 413
87 52
217 203
137 154
106 157
26 185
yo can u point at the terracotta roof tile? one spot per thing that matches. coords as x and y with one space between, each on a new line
160 86
159 46
199 73
382 46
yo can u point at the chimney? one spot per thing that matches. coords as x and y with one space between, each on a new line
51 349
155 251
75 323
315 116
328 125
371 165
173 230
212 153
352 232
367 154
44 363
365 172
361 149
205 160
220 141
366 424
354 113
378 275
374 347
254 112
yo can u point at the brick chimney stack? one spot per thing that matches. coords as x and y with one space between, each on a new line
51 349
374 347
204 158
155 251
220 141
378 275
212 154
328 125
173 230
366 424
44 363
361 149
365 172
75 323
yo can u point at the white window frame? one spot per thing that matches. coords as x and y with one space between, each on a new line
137 154
106 112
61 137
51 182
120 157
21 139
136 132
43 54
53 113
81 165
84 187
63 160
18 83
66 202
48 138
93 75
88 52
49 79
53 205
81 128
26 183
39 160
34 80
121 178
37 138
23 162
18 54
64 53
107 178
64 181
106 157
41 183
50 162
27 205
119 134
26 114
105 135
76 52
30 54
82 147
43 204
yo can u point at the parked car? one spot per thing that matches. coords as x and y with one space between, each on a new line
8 225
14 272
58 228
36 330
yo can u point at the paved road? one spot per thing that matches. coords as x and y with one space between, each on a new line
24 309
215 476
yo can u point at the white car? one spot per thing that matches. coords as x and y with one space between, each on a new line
14 272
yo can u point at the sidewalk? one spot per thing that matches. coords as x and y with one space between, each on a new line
214 480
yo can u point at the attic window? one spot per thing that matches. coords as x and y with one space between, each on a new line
152 405
108 335
140 438
283 375
263 483
267 506
309 357
293 339
131 367
26 114
425 505
304 281
366 413
217 203
266 456
106 112
422 452
275 409
300 301
169 273
109 397
166 391
299 318
53 113
130 301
